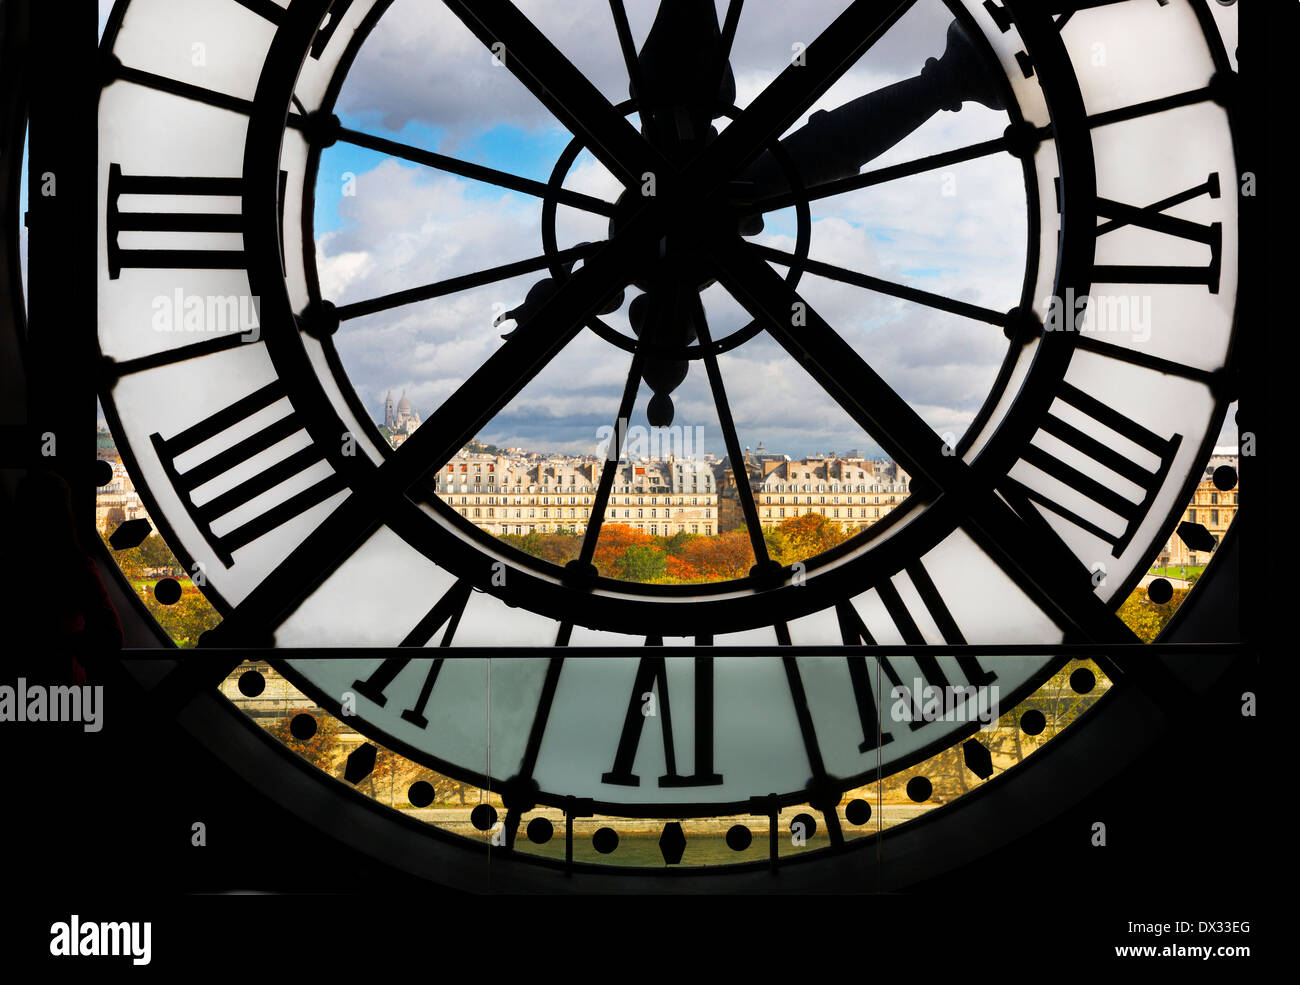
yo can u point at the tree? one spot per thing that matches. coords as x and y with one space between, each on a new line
728 555
615 540
809 535
324 749
154 553
187 619
641 563
680 572
1145 617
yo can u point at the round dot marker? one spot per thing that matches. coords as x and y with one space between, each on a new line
1083 680
858 812
1033 722
540 830
808 823
1160 591
420 793
739 837
167 591
252 683
483 817
605 840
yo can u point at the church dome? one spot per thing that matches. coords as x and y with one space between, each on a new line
405 405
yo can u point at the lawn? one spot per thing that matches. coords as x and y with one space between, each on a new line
1180 571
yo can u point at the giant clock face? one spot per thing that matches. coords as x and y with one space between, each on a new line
263 470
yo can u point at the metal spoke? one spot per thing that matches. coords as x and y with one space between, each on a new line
501 377
541 718
185 90
808 733
1040 567
879 176
728 425
613 455
782 103
729 26
478 172
453 285
845 276
531 57
627 45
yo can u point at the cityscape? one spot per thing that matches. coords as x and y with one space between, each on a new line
541 502
517 494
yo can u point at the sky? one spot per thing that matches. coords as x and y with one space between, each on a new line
421 78
424 79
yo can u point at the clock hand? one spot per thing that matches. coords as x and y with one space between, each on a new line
540 293
661 318
837 143
683 76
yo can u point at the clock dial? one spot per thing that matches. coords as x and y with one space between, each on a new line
227 384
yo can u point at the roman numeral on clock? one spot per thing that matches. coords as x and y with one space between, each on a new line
446 612
1155 218
652 678
266 9
337 12
213 258
212 510
1100 452
1062 10
854 632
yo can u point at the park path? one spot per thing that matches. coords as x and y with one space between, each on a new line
1175 582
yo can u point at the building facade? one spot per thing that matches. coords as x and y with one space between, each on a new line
503 495
400 419
855 492
117 502
1212 508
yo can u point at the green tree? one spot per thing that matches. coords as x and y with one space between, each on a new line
1145 617
641 563
187 619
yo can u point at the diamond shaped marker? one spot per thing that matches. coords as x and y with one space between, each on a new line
361 761
130 534
978 760
1195 536
672 843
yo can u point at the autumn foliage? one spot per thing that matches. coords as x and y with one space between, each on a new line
627 554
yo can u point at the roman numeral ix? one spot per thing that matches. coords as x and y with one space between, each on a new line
1100 452
209 512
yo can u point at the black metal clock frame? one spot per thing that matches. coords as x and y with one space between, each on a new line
1091 748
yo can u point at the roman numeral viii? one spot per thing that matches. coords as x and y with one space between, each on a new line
1095 486
213 223
258 486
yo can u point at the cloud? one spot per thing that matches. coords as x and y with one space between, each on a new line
408 226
